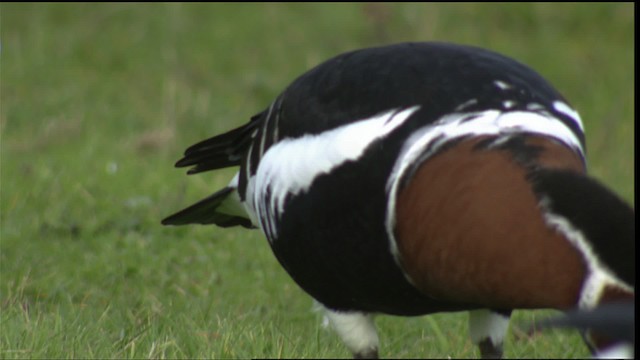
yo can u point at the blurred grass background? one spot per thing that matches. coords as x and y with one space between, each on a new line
99 100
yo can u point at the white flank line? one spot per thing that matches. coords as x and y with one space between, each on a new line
565 109
458 125
598 275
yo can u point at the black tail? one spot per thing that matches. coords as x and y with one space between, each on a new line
207 211
605 219
220 151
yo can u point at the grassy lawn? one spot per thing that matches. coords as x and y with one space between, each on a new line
99 100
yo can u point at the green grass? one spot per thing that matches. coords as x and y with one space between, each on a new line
99 100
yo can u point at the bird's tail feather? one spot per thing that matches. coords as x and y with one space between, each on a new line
220 151
215 209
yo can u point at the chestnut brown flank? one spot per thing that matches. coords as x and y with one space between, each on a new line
469 228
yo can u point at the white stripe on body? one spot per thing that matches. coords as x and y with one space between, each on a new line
290 166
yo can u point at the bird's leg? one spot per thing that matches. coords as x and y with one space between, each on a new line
487 329
357 330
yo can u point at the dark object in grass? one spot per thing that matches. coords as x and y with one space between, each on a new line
614 321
